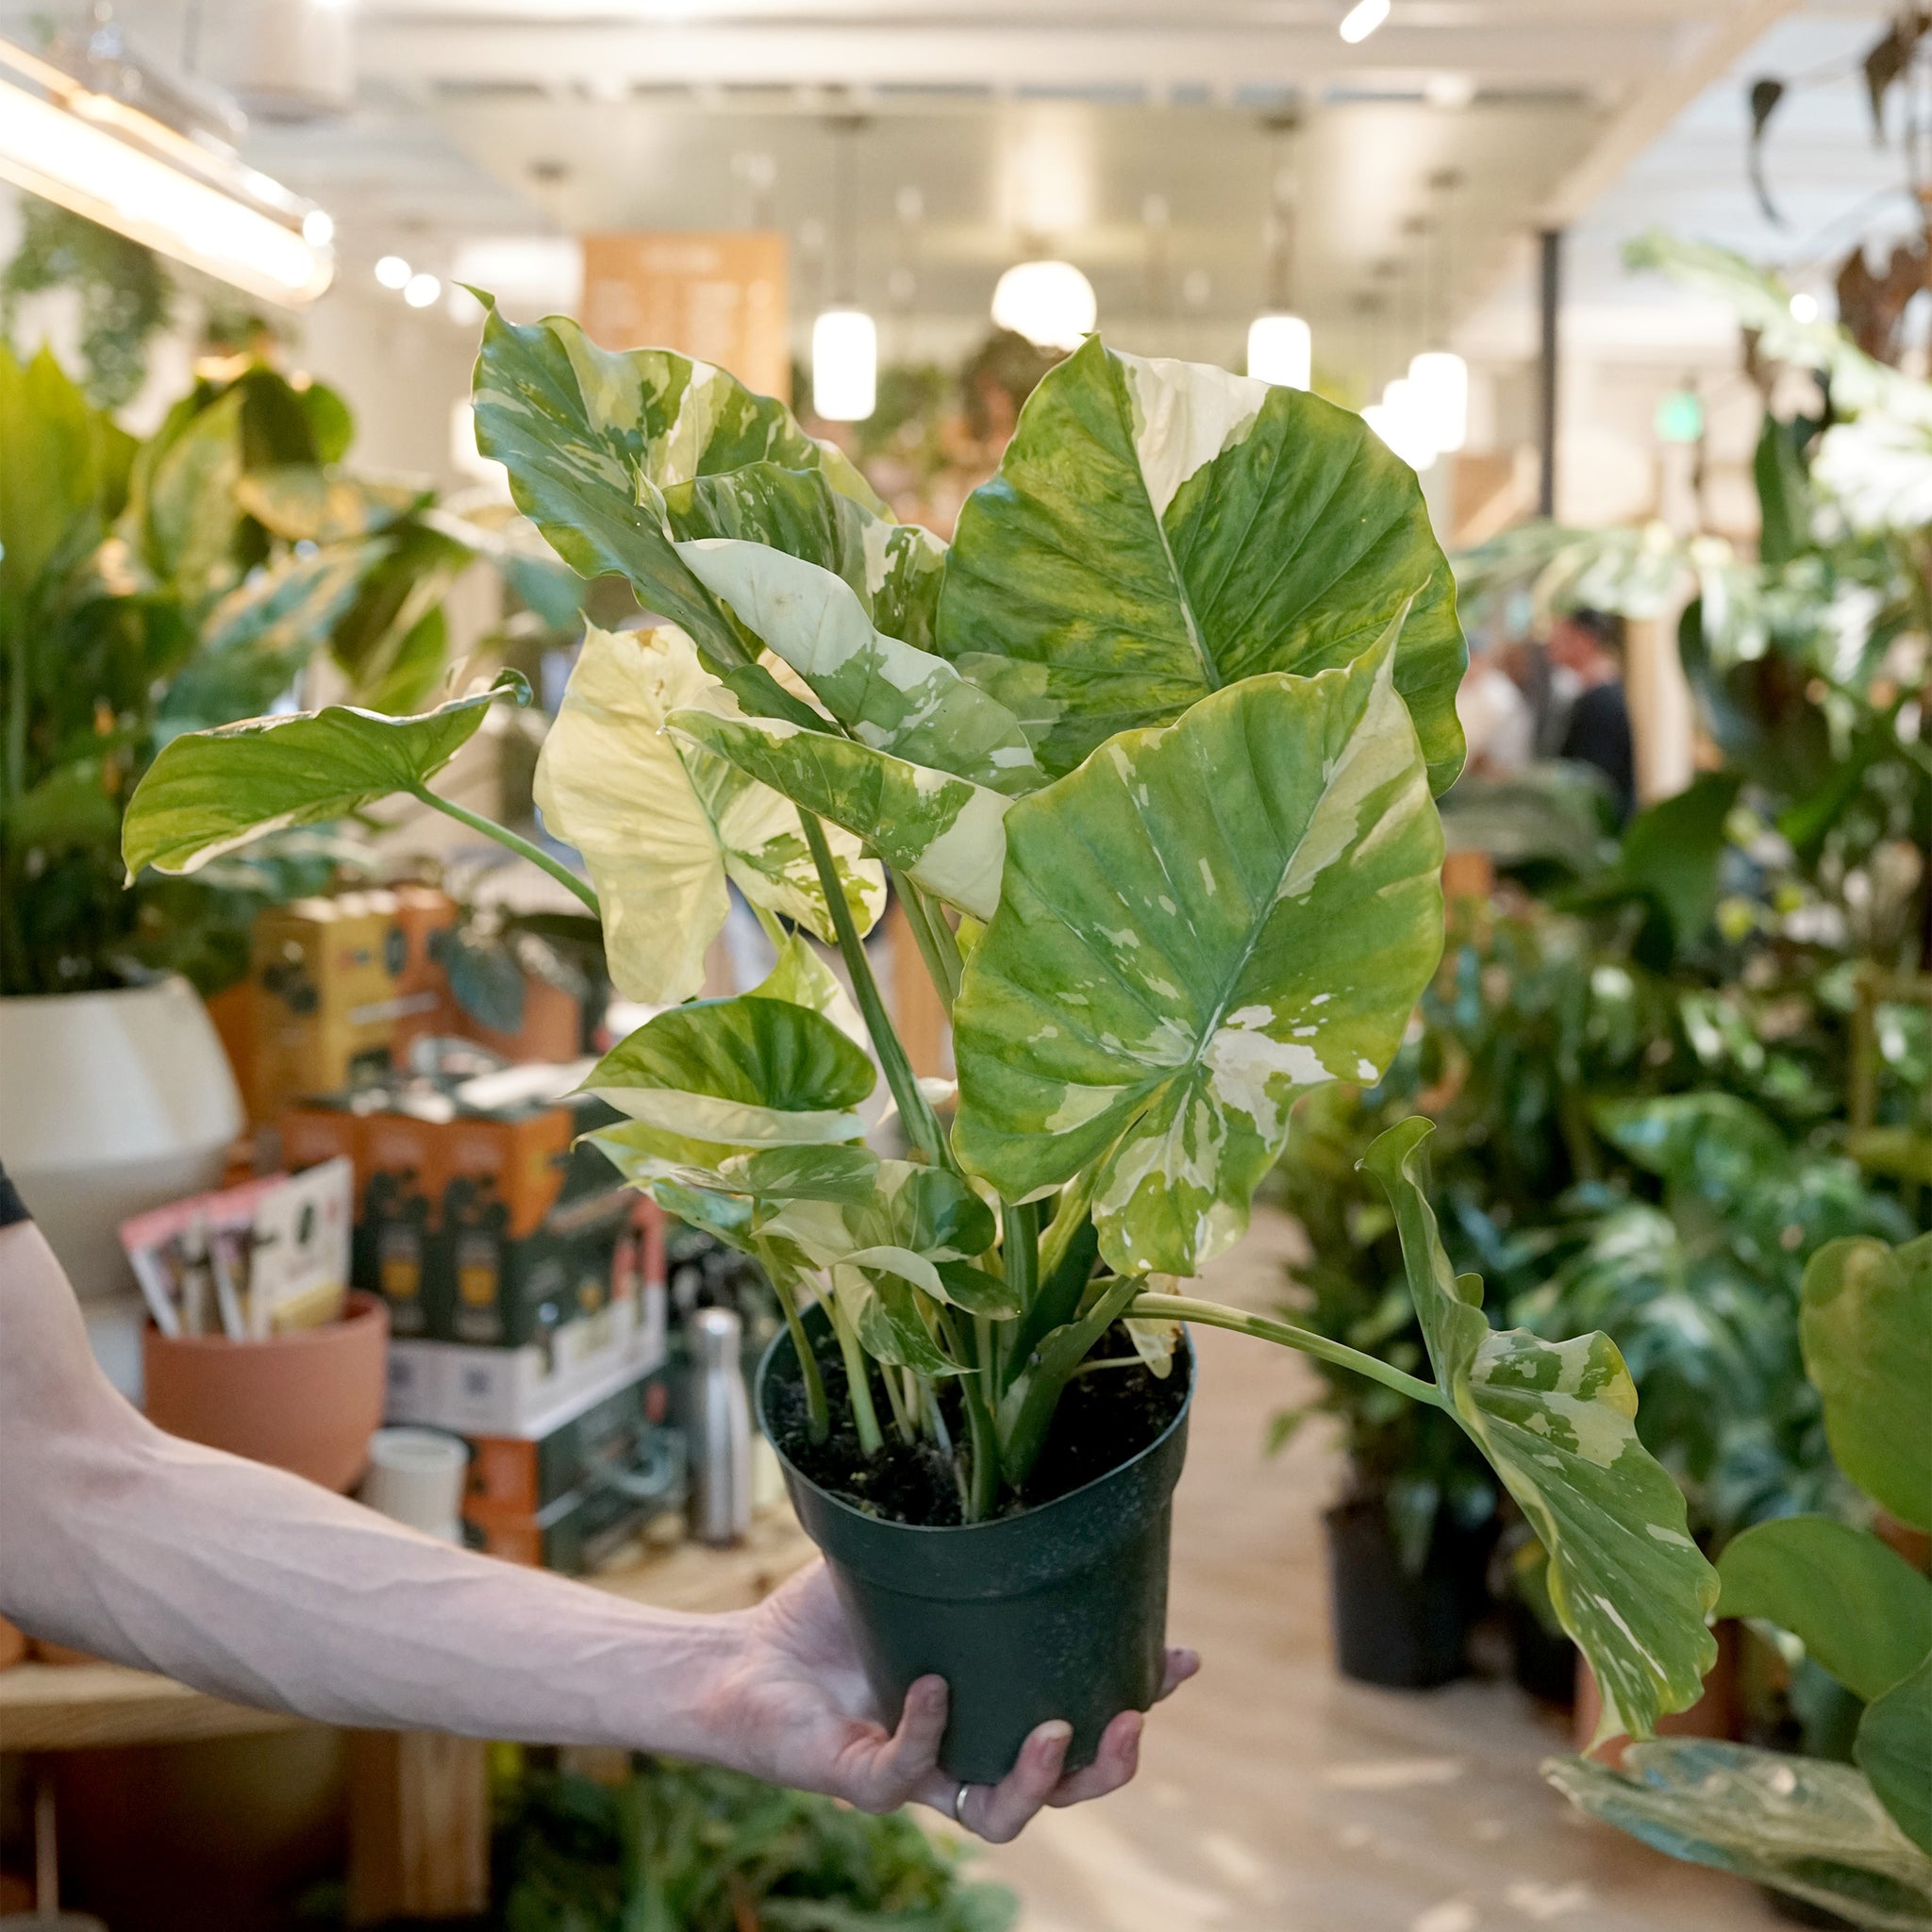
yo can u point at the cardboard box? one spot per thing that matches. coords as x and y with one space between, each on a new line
515 1478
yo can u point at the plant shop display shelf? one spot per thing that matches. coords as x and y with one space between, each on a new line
419 1817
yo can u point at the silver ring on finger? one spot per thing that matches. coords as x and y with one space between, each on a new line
959 1807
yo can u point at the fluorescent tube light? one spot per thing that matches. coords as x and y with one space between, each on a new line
1363 19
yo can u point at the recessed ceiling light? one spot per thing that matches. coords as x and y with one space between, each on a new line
1363 19
392 272
420 291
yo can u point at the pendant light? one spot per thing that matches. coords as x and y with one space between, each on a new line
844 338
1281 345
1439 376
1050 303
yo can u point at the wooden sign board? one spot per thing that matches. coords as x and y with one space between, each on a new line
723 298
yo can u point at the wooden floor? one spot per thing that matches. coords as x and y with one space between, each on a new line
1275 1797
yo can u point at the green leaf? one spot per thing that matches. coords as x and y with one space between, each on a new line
386 640
1895 1751
944 833
1804 1826
1196 926
70 809
1859 1607
211 791
1866 1327
1160 529
592 437
1558 1423
738 1072
665 826
303 502
1670 861
182 511
894 569
890 696
1714 1145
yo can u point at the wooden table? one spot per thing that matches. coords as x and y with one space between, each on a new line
419 1814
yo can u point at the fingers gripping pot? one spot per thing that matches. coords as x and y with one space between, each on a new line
1058 1612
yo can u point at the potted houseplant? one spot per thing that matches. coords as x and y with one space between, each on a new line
146 589
1159 733
1851 1839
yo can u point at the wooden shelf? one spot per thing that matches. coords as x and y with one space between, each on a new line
76 1707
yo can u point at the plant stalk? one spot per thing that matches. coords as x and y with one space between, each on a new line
1181 1308
817 1412
512 842
922 1123
934 938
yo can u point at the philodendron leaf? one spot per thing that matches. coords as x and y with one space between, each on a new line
1859 1608
1866 1327
663 824
211 791
303 502
738 1072
893 568
945 834
1160 529
592 437
1895 1751
1194 927
1801 1826
1558 1423
890 696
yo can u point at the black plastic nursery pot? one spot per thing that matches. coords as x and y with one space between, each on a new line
1059 1611
1401 1631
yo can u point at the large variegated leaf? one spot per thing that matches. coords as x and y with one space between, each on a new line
889 695
944 833
305 503
1867 1331
591 438
663 826
741 1072
892 568
1558 1423
211 791
1194 927
1804 1826
1160 529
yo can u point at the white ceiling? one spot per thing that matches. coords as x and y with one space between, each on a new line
1127 134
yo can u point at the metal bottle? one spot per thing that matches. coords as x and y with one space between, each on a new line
721 1429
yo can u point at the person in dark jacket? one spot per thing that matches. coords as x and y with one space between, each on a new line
1586 648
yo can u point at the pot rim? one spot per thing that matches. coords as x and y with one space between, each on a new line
160 984
360 1307
794 1473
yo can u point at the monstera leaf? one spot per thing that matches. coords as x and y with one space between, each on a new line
894 569
1160 529
208 793
1866 1326
1558 1423
1196 926
1807 1827
945 834
746 1072
890 696
664 825
592 437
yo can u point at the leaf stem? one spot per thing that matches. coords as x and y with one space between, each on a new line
818 1410
865 1418
914 1108
1181 1308
512 842
934 938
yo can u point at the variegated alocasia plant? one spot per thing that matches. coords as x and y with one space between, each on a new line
1148 755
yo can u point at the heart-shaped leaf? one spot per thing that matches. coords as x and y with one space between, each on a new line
1194 927
746 1072
1801 1826
1894 1749
1160 529
1558 1423
665 826
944 833
209 792
1859 1607
1866 1327
890 696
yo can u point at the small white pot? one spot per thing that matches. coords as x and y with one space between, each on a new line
111 1103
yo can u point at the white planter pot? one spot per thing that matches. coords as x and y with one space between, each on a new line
111 1103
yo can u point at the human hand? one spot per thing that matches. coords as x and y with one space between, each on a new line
794 1709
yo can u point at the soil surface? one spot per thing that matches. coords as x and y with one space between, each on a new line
1104 1420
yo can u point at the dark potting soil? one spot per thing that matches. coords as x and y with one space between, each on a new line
1102 1421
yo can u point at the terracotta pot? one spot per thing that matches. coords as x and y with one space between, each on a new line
1717 1714
306 1401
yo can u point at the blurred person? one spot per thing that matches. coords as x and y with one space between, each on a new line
1586 651
1495 717
253 1585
